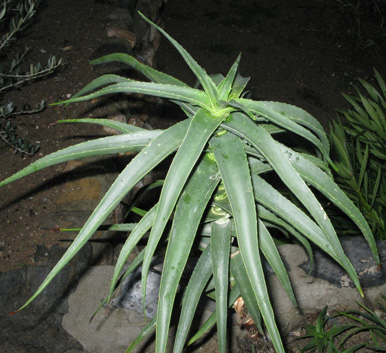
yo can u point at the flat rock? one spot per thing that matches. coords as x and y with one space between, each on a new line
112 331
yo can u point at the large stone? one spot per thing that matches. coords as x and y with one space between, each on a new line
328 284
37 329
112 331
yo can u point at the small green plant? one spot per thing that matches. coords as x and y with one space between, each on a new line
322 339
333 339
15 16
359 146
216 199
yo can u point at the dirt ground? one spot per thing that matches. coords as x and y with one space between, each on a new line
300 52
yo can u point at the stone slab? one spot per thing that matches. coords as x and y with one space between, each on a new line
112 331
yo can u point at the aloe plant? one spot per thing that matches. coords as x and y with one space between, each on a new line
215 197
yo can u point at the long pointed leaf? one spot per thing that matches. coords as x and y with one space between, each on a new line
135 236
267 244
271 112
271 199
101 146
201 127
149 328
211 321
246 289
238 86
272 255
101 81
179 93
234 170
197 283
205 80
147 71
225 86
189 211
112 124
148 158
270 149
326 185
220 249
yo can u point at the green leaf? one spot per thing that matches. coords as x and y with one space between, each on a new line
204 79
338 138
270 218
355 105
292 118
374 94
268 247
233 165
381 82
197 283
102 146
226 84
278 159
99 82
147 71
112 124
189 211
211 321
220 250
201 127
133 265
135 236
321 320
267 244
326 185
179 93
149 328
376 187
147 159
246 290
238 86
354 348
